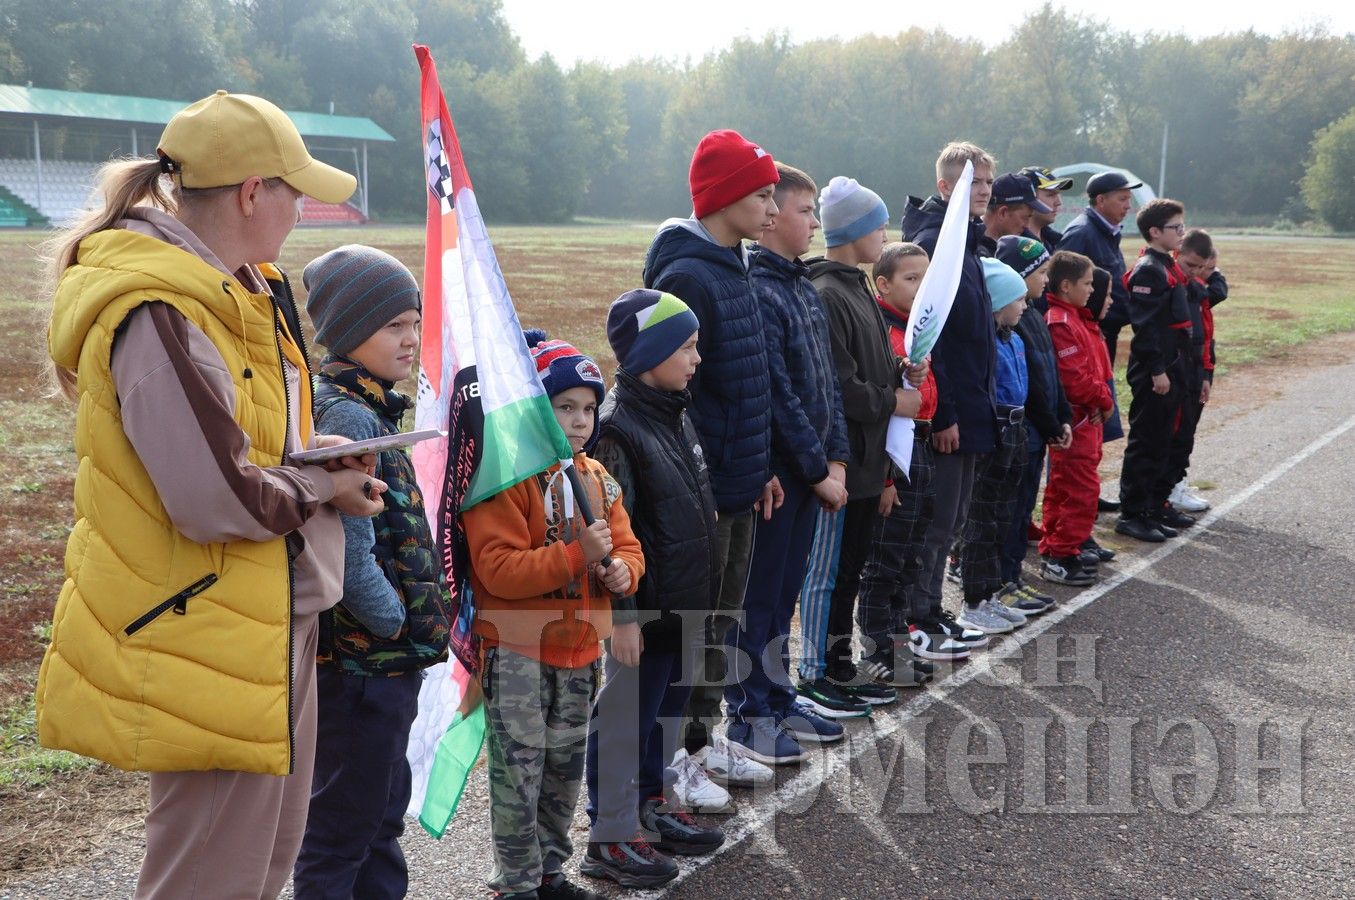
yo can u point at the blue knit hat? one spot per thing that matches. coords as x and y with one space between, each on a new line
849 211
1004 285
646 327
561 365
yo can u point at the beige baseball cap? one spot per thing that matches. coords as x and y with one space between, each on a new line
226 138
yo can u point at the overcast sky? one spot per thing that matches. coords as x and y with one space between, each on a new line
615 31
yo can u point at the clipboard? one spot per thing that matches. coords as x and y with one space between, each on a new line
362 448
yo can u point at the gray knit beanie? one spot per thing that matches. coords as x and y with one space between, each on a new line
353 291
849 211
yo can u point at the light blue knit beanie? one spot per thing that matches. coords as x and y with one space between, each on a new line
1005 286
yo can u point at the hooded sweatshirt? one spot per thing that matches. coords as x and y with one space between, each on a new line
867 371
731 392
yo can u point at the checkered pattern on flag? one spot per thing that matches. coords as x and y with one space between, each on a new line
501 431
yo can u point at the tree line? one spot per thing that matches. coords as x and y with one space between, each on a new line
1248 115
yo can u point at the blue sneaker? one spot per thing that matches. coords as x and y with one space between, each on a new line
806 725
765 741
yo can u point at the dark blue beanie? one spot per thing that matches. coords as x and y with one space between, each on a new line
646 327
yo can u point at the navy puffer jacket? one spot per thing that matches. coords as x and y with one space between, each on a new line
731 393
808 431
965 357
1047 409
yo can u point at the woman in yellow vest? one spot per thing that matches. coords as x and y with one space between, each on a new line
183 642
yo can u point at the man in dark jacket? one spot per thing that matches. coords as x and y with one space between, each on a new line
1096 235
964 360
702 261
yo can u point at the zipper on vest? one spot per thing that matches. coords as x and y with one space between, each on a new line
291 583
179 603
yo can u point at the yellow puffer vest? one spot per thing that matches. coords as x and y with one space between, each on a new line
167 655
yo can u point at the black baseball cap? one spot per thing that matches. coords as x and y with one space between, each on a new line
1045 180
1105 182
1014 189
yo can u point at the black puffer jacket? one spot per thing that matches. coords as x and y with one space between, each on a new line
650 447
1047 409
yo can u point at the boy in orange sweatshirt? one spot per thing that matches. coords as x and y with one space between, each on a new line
543 608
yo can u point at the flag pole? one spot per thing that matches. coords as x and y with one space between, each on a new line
585 506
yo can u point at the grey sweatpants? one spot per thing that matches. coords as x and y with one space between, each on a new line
234 834
953 480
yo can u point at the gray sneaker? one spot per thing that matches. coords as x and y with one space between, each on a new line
1015 616
1013 597
983 618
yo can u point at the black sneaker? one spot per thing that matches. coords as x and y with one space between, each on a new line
858 686
953 573
1141 529
1172 518
879 665
930 640
829 700
1088 559
634 864
1104 505
1102 553
558 887
676 831
976 640
1066 570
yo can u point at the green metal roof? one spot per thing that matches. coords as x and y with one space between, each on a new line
29 101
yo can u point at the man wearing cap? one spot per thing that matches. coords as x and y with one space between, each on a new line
1096 234
1009 209
1050 191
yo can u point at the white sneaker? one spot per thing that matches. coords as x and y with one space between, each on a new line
997 607
1182 498
980 618
693 789
727 763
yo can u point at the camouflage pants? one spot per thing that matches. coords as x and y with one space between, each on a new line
538 726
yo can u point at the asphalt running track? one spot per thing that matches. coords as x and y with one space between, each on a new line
1181 729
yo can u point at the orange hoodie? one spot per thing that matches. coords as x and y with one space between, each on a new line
534 594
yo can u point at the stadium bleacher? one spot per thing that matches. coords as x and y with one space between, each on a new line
67 186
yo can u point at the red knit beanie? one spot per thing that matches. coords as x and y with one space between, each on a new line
726 168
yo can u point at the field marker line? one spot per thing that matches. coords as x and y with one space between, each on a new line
828 763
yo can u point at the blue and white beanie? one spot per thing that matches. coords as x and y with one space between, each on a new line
849 211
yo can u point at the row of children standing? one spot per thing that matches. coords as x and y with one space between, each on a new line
738 466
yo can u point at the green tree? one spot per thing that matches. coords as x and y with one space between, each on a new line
554 131
1327 183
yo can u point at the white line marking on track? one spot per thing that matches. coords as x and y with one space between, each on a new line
828 763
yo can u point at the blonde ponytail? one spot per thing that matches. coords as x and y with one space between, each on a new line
124 183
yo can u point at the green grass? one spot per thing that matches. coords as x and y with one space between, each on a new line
24 764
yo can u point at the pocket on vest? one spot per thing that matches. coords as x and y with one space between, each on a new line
178 603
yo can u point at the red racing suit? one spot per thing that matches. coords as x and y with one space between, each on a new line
1074 485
